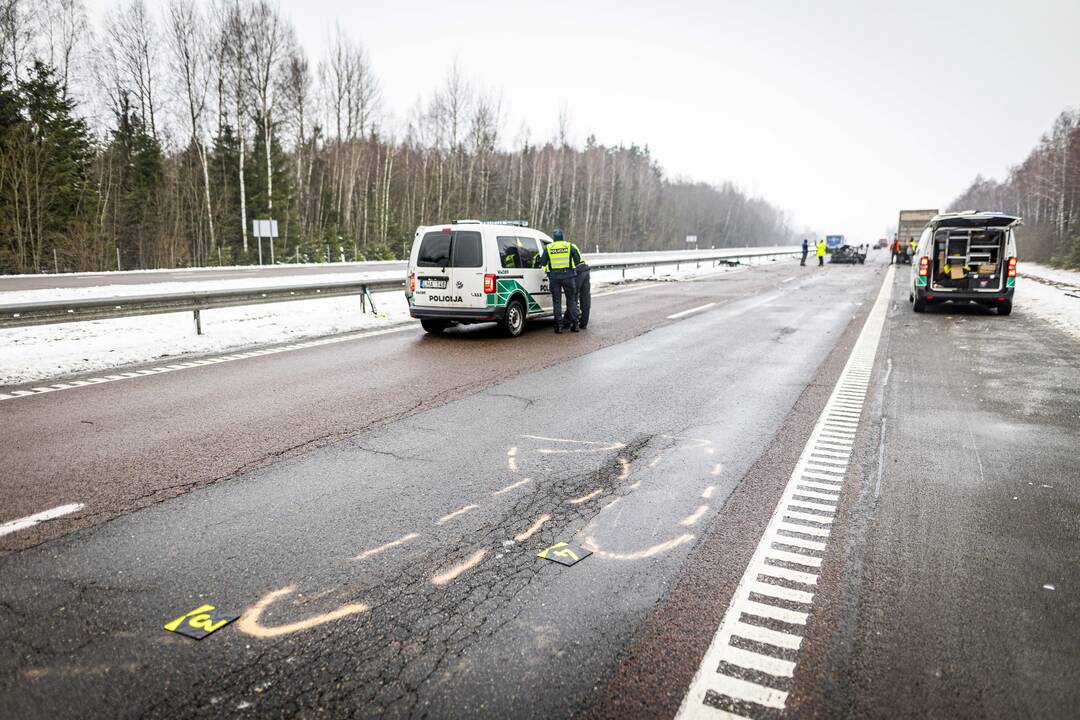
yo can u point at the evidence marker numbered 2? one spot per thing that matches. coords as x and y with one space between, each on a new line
564 554
200 622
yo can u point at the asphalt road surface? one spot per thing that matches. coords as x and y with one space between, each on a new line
9 283
374 509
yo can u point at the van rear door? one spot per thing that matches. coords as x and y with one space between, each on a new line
433 267
467 270
450 269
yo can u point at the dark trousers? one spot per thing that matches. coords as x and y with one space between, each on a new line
804 252
584 296
820 260
564 282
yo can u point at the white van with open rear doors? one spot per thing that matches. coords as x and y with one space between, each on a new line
967 257
472 272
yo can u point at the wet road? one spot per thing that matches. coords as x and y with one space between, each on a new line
378 520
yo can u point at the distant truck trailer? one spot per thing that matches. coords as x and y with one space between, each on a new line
912 223
832 242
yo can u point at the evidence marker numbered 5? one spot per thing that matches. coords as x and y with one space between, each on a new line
200 622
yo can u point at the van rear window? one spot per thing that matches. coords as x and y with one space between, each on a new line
437 247
434 250
467 250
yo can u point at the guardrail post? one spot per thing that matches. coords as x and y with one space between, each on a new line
624 272
363 299
198 323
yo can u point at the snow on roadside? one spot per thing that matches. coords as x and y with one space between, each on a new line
1045 272
33 354
1051 294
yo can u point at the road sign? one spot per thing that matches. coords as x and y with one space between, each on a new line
264 228
691 239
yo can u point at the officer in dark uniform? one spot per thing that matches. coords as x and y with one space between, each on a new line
584 289
560 259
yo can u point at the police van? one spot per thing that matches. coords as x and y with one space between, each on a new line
966 257
472 271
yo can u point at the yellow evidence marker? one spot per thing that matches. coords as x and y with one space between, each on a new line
200 622
564 554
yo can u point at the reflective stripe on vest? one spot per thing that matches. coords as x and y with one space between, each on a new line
559 255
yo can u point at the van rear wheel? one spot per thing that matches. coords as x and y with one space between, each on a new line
1005 308
514 324
434 326
919 305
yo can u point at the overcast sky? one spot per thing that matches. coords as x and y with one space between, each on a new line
840 112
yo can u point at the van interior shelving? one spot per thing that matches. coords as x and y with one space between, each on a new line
968 258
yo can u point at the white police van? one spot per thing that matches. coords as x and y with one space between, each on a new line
966 257
471 271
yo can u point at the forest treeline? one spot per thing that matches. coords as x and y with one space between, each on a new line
1045 190
154 137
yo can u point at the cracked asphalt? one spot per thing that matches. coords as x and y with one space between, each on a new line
375 508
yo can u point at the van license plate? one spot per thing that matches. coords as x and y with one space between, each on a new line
433 283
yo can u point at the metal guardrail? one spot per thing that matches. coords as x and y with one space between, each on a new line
61 311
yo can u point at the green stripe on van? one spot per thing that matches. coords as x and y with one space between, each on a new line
504 289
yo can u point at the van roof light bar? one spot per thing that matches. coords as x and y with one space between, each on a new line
517 223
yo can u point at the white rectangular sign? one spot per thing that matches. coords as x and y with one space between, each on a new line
264 228
691 238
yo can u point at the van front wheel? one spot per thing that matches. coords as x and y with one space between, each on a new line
514 323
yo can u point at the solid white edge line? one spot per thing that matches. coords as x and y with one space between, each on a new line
707 677
677 315
32 520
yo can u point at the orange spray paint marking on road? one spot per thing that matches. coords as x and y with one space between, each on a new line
648 552
376 550
473 560
513 486
586 498
450 516
694 516
525 535
249 621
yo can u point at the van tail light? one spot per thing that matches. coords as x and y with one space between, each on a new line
412 282
924 266
489 283
1012 267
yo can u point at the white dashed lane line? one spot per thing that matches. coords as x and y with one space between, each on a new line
699 308
32 520
748 669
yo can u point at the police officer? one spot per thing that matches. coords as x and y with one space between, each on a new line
805 250
560 259
821 253
584 289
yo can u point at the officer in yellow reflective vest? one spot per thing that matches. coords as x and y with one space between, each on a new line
560 260
820 253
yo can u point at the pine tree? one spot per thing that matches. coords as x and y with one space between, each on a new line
137 171
47 155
